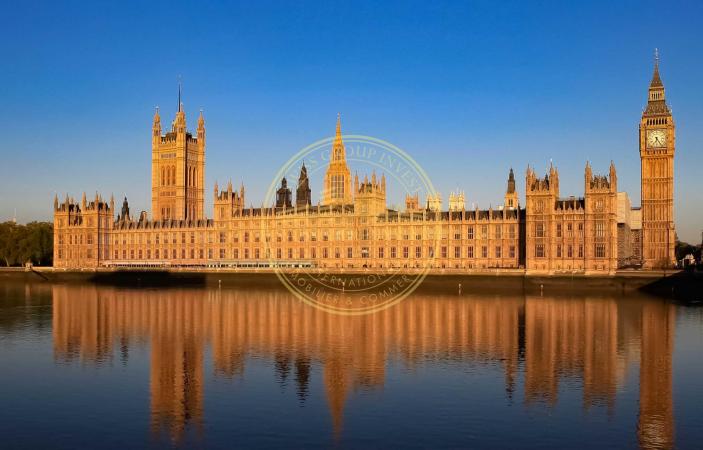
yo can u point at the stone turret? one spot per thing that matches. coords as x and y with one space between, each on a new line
283 195
412 202
369 197
124 215
457 201
434 202
511 195
303 195
228 203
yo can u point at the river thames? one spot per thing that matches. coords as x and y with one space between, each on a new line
105 367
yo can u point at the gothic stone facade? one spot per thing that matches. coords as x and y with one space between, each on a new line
178 169
657 145
352 227
572 234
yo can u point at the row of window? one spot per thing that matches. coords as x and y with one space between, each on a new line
348 219
365 234
365 252
168 176
598 250
70 254
539 229
102 221
78 239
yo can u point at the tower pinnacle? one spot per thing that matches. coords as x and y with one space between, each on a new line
656 79
338 186
180 87
511 196
656 102
511 181
338 145
338 131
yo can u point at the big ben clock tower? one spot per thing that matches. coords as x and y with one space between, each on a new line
657 143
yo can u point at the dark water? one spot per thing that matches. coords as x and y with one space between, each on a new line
99 367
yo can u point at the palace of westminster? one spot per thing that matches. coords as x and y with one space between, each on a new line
352 227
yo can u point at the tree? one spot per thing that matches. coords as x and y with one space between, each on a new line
683 249
7 243
32 242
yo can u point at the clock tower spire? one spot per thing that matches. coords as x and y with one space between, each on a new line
656 102
657 145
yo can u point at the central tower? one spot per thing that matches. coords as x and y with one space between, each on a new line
657 143
511 198
337 189
178 169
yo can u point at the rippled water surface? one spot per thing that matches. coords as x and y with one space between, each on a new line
102 367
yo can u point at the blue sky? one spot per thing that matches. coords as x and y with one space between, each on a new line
468 90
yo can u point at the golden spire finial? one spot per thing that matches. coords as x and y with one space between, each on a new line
656 56
338 146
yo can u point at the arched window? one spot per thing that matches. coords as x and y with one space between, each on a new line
163 176
337 187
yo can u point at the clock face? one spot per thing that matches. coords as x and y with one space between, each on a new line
656 138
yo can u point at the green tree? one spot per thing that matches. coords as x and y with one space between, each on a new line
683 249
8 249
32 242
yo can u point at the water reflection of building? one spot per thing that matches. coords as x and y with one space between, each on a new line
575 338
656 420
590 340
177 341
89 323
